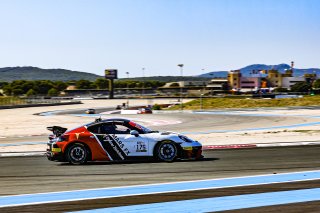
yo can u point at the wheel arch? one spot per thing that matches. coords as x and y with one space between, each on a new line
78 142
178 146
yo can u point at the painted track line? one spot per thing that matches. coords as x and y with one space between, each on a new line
255 129
231 146
260 145
89 194
21 144
225 203
204 147
22 154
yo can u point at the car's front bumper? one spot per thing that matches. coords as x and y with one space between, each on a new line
192 152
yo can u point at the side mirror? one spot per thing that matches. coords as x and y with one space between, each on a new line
134 132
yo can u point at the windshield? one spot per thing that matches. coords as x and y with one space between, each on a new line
138 126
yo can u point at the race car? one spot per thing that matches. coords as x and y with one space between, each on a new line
118 140
144 111
90 111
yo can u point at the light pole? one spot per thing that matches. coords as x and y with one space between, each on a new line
127 89
201 104
181 90
143 80
204 84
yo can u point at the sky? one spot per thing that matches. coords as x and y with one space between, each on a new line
151 37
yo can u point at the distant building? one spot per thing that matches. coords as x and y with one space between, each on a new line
71 87
186 84
284 80
238 82
275 78
218 85
288 82
250 83
266 79
234 78
310 77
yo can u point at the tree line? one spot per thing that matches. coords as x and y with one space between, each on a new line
53 88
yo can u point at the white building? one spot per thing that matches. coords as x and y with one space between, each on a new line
187 84
288 82
217 84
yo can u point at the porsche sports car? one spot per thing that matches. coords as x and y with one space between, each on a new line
117 140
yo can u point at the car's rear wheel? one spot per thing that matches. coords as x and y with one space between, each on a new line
166 151
77 154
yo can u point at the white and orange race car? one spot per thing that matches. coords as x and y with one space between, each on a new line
118 140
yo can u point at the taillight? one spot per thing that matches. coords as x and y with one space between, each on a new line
51 137
63 138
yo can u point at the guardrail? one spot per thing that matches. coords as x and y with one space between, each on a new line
13 102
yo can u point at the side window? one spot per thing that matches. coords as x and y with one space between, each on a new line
112 128
102 128
108 128
121 129
96 129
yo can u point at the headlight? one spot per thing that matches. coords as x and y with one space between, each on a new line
185 138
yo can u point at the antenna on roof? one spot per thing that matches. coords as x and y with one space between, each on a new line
98 119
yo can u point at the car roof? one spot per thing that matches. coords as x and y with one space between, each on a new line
115 119
108 120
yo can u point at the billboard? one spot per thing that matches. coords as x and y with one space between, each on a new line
111 74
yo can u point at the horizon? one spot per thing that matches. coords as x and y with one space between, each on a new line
299 68
150 38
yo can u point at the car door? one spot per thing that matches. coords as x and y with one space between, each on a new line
132 145
103 132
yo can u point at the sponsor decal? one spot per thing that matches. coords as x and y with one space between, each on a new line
108 139
121 144
77 135
103 147
141 147
113 146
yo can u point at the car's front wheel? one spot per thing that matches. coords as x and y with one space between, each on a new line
166 151
77 154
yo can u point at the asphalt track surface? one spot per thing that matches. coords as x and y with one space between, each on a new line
21 175
188 123
194 122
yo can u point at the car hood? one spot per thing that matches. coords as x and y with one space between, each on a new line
166 135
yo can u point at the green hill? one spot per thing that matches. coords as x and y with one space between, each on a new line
34 73
9 74
168 78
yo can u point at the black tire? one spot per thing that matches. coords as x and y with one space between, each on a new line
77 154
166 151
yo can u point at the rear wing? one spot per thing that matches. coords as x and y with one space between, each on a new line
57 130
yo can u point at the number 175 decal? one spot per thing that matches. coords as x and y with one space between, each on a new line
141 147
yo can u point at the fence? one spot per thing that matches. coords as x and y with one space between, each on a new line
15 101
